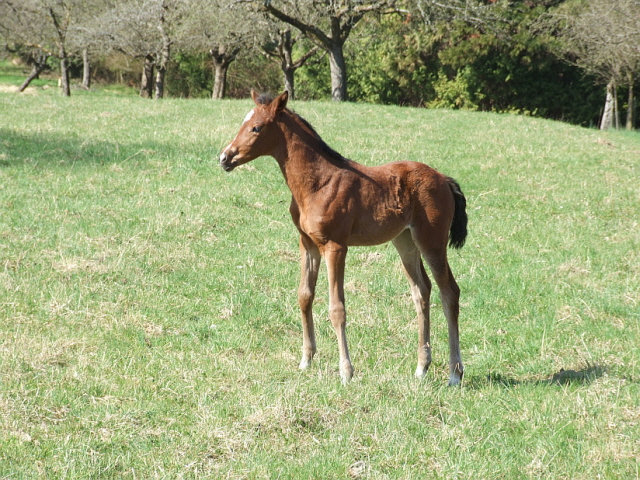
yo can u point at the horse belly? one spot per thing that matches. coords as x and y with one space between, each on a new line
374 230
383 211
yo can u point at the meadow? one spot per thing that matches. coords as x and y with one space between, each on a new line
149 324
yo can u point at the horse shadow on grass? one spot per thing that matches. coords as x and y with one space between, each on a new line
583 376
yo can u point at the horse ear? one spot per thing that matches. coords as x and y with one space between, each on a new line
254 96
280 102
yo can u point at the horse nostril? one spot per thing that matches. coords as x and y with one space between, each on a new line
225 162
225 158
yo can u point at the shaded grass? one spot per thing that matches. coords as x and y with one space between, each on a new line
149 325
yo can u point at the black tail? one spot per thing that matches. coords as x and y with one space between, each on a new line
458 232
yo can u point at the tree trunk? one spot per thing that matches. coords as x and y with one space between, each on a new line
221 61
289 82
146 84
64 75
162 70
607 115
35 72
86 69
166 55
283 54
285 51
287 64
616 110
64 71
220 80
61 31
341 22
160 82
338 69
630 105
39 64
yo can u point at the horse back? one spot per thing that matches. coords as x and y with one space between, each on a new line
401 195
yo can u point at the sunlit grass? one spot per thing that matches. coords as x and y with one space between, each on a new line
149 325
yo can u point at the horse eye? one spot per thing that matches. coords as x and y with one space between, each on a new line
256 129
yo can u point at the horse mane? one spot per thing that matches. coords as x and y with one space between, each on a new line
266 99
323 145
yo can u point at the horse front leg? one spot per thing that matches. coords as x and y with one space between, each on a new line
334 255
310 264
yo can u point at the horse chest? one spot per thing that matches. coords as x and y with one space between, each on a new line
323 227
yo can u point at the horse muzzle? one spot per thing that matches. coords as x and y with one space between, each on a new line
226 161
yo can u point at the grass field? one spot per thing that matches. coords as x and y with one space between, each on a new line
149 325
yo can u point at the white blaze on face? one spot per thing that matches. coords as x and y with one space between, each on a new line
246 119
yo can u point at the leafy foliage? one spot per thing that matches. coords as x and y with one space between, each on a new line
427 53
190 76
459 65
504 67
381 74
515 73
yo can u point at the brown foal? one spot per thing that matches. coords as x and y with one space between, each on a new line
337 203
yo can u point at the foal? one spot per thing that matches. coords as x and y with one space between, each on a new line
337 203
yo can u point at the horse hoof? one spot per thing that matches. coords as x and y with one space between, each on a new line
422 369
455 379
304 364
346 373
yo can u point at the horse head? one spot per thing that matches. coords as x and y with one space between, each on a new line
257 135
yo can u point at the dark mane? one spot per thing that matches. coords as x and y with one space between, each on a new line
264 99
323 145
267 98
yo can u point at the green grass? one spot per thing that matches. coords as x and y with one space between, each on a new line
149 325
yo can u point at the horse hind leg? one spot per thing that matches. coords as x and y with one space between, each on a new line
420 293
450 298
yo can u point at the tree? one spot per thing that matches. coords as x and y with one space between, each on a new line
223 55
603 38
38 61
13 30
42 25
83 37
142 29
484 55
221 28
165 50
327 24
279 48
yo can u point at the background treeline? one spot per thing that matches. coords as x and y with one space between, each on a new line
571 60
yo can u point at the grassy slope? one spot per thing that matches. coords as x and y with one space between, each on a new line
149 324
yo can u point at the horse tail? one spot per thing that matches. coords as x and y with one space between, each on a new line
458 232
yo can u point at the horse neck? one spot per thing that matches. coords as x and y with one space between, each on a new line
304 166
